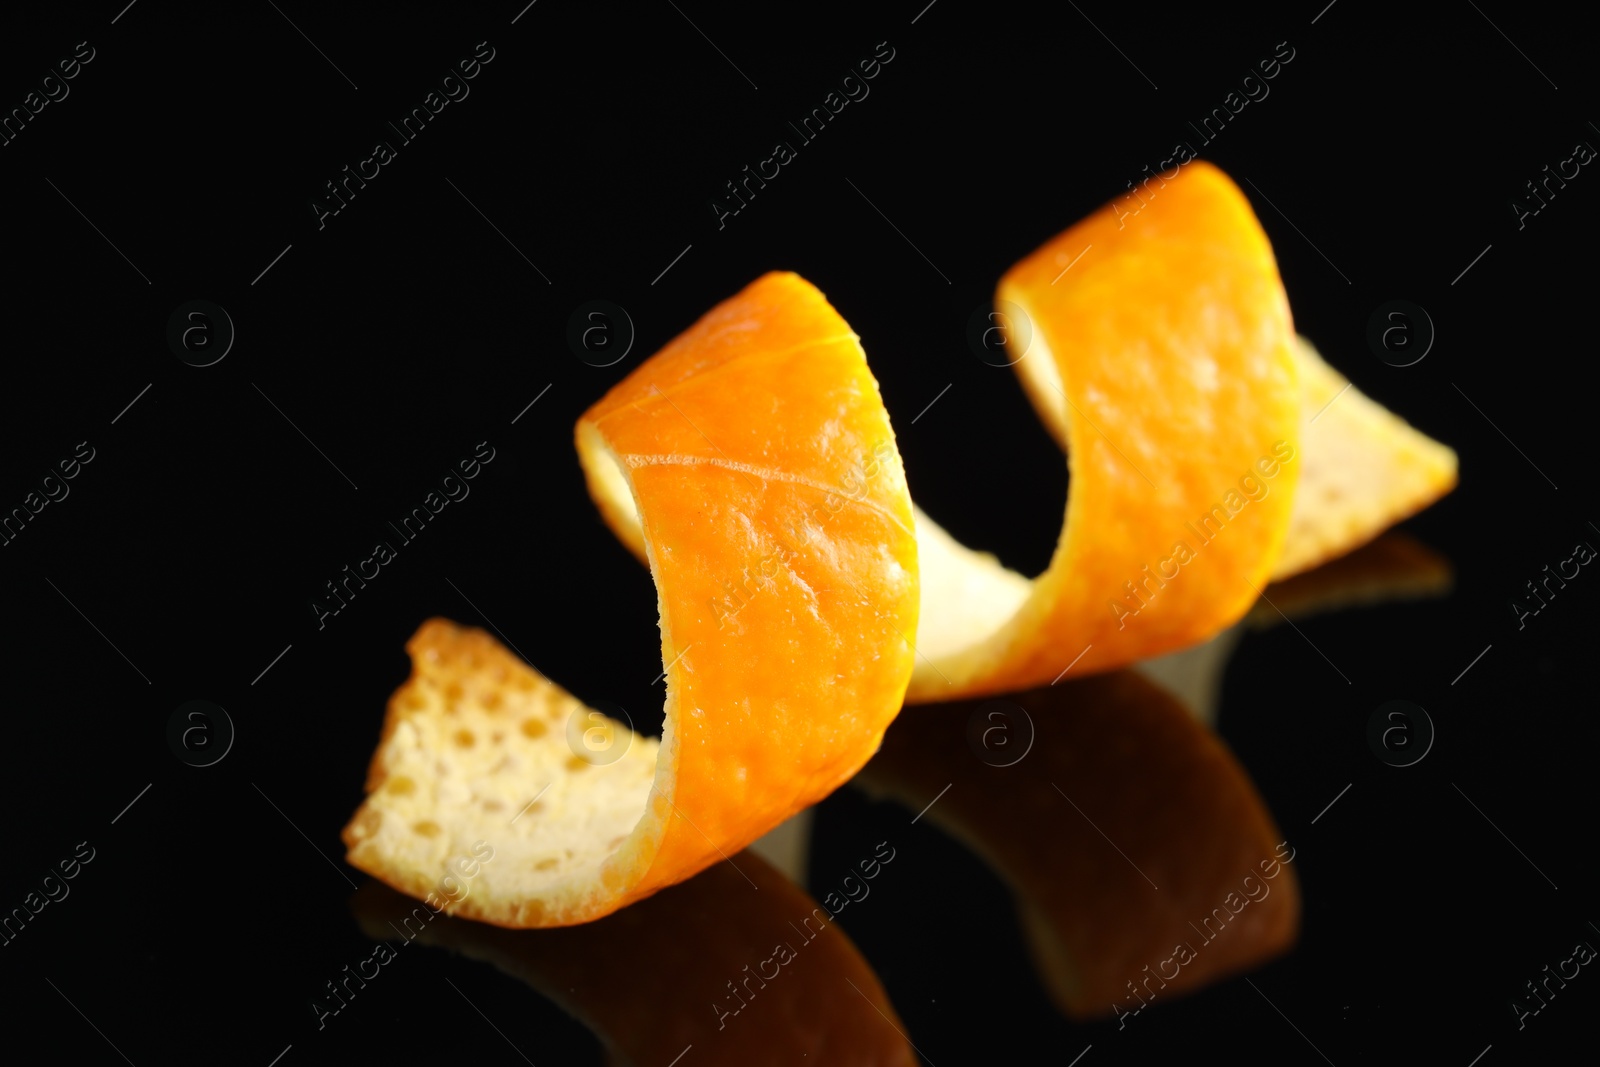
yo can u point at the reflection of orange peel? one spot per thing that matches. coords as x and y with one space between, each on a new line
1132 794
1394 567
644 1014
1165 364
752 453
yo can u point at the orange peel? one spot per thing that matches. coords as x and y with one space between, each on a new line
1162 359
1211 451
751 466
782 549
1364 469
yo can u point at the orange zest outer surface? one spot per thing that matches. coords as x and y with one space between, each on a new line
1169 350
768 499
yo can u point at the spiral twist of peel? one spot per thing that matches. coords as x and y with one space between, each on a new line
751 465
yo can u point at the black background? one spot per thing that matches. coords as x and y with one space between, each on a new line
409 328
